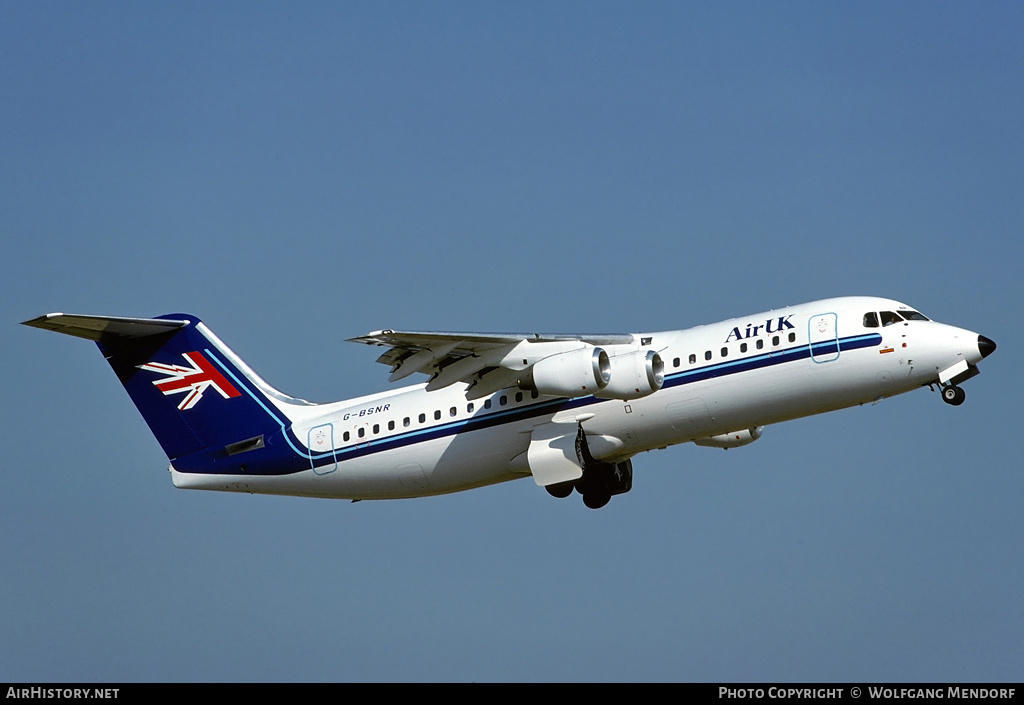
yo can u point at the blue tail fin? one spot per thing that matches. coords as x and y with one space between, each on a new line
197 396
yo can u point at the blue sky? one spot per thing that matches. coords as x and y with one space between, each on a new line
300 174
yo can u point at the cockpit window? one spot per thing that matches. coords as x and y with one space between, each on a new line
913 316
871 319
890 317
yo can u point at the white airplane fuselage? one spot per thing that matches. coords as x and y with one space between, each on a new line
733 377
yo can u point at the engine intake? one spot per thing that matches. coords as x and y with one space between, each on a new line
634 375
570 374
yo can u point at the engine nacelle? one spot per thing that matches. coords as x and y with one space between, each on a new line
634 375
571 374
733 439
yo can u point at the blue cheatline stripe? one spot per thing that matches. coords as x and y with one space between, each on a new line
544 408
769 359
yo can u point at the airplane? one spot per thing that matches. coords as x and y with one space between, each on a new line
569 410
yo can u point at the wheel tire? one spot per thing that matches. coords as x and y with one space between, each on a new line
561 489
596 499
953 395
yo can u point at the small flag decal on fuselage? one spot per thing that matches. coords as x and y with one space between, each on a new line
193 380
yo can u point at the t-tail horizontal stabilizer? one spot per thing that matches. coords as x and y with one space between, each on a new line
99 327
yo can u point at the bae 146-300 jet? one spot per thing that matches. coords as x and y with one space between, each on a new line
568 410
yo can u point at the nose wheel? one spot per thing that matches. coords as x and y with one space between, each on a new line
953 395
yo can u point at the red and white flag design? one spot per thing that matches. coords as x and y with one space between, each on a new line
192 380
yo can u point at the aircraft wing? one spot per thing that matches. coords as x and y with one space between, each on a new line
485 361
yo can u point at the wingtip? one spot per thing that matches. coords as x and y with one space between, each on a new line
372 338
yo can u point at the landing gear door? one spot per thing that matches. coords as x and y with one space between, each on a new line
552 454
823 337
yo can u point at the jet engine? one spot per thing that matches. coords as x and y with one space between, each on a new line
571 374
634 375
733 439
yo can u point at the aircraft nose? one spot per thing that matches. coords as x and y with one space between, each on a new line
985 346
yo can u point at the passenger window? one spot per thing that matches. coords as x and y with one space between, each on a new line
391 425
362 431
693 358
743 347
487 403
406 422
437 415
469 408
775 341
452 411
346 436
376 429
725 352
675 362
519 396
871 319
760 343
889 318
792 337
534 394
423 418
707 355
503 400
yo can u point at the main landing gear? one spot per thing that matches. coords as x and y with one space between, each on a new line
599 482
953 395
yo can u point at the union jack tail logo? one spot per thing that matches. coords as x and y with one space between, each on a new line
192 380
